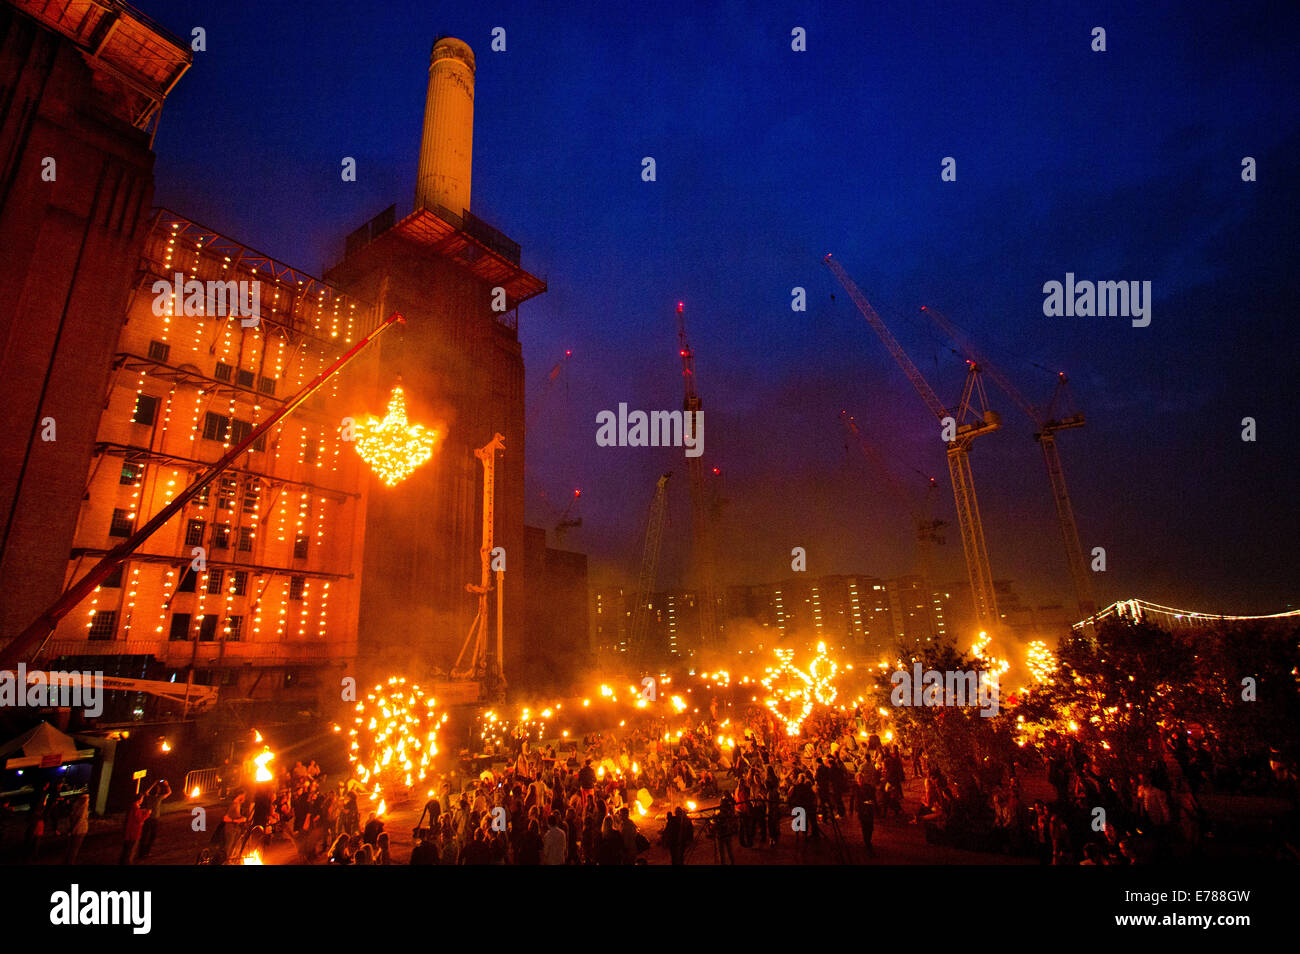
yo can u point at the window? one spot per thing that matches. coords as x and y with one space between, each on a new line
244 378
114 580
311 451
103 624
121 523
226 493
252 492
246 539
188 581
234 626
208 628
220 536
224 372
146 409
130 474
194 533
215 578
239 431
266 385
159 351
296 586
201 498
260 443
238 582
215 426
180 626
300 546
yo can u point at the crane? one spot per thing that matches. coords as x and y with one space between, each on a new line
967 424
490 671
928 531
538 401
701 524
645 581
1047 421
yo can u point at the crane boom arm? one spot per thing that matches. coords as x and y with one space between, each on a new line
974 354
891 344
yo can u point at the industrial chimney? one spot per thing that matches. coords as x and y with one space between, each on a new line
448 140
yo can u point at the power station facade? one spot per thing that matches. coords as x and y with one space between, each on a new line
296 566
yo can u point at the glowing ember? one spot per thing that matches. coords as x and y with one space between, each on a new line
392 447
394 739
1041 662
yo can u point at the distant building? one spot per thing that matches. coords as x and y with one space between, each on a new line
553 651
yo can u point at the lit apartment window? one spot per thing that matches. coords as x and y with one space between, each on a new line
234 626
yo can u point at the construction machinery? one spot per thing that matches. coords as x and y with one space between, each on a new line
1057 415
475 661
701 518
929 531
638 651
959 429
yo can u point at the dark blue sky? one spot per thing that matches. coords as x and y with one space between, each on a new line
1116 165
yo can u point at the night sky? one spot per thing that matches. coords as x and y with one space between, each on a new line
1123 165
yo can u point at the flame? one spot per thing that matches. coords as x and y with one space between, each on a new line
252 858
195 793
392 447
263 773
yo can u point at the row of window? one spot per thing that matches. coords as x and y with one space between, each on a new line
122 525
161 351
215 582
104 624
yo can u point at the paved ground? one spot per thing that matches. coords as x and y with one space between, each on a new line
895 841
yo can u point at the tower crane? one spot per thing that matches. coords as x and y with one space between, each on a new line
1048 421
967 424
928 531
645 581
701 524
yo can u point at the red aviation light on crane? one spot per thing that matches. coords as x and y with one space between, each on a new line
576 493
568 354
716 471
679 308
